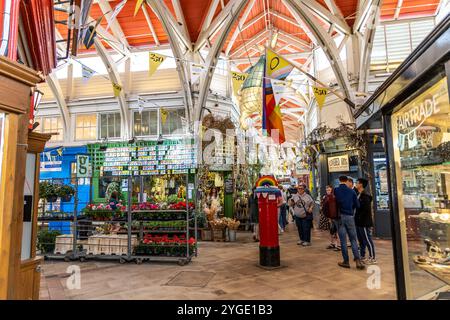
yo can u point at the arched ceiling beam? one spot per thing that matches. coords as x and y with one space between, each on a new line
180 45
180 19
170 24
263 34
210 14
364 7
334 9
219 23
367 45
112 41
240 26
114 24
339 23
227 18
55 87
302 13
150 25
114 76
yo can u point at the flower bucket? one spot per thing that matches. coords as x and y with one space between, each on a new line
219 234
231 235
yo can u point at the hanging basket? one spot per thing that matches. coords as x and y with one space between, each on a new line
66 198
52 198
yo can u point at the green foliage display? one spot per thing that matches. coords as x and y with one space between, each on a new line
46 240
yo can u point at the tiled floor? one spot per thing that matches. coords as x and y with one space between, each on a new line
308 273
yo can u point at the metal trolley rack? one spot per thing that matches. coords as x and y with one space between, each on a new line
141 235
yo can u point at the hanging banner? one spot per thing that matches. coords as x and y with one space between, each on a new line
164 115
375 138
281 89
91 31
138 6
141 104
196 71
237 80
86 73
155 61
320 94
115 13
117 89
276 68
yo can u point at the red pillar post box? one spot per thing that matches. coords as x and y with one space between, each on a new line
269 249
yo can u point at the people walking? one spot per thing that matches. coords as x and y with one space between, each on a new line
254 214
364 223
347 202
303 205
329 212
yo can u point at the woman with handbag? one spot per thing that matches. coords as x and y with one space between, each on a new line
303 206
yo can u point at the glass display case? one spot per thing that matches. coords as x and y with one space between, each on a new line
421 151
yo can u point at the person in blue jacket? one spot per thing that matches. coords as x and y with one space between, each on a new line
347 202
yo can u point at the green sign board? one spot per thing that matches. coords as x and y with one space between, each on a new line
82 166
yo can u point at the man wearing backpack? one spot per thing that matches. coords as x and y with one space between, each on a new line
303 206
347 202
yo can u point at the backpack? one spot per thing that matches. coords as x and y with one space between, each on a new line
332 212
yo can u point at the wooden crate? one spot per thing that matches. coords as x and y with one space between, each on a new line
63 243
109 244
219 234
206 235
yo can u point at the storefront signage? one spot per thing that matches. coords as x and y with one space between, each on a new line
148 158
82 166
51 166
338 163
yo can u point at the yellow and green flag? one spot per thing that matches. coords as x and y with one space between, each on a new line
155 61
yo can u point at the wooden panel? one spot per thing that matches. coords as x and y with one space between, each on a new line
14 96
29 280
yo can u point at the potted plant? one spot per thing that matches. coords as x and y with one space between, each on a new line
46 240
65 192
47 190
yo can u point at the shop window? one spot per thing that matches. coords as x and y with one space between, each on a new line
146 123
110 125
381 182
174 122
52 125
86 127
421 145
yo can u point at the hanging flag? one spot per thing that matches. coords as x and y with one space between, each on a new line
117 89
155 61
237 80
375 138
320 94
115 13
138 6
86 73
91 32
281 89
164 115
276 68
60 151
141 104
196 71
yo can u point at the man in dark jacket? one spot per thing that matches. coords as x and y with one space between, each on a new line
347 202
364 223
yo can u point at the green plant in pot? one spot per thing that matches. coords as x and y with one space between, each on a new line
48 191
46 240
65 192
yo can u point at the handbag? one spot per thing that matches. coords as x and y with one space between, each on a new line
305 213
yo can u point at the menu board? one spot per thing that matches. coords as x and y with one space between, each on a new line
175 156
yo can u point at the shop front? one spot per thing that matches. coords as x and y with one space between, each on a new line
413 106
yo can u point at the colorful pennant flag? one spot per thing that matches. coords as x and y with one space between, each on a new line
320 94
86 73
138 6
117 89
155 61
60 151
276 68
91 31
281 89
164 115
116 12
375 138
237 80
196 71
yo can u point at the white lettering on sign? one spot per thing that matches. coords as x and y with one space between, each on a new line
419 113
272 197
